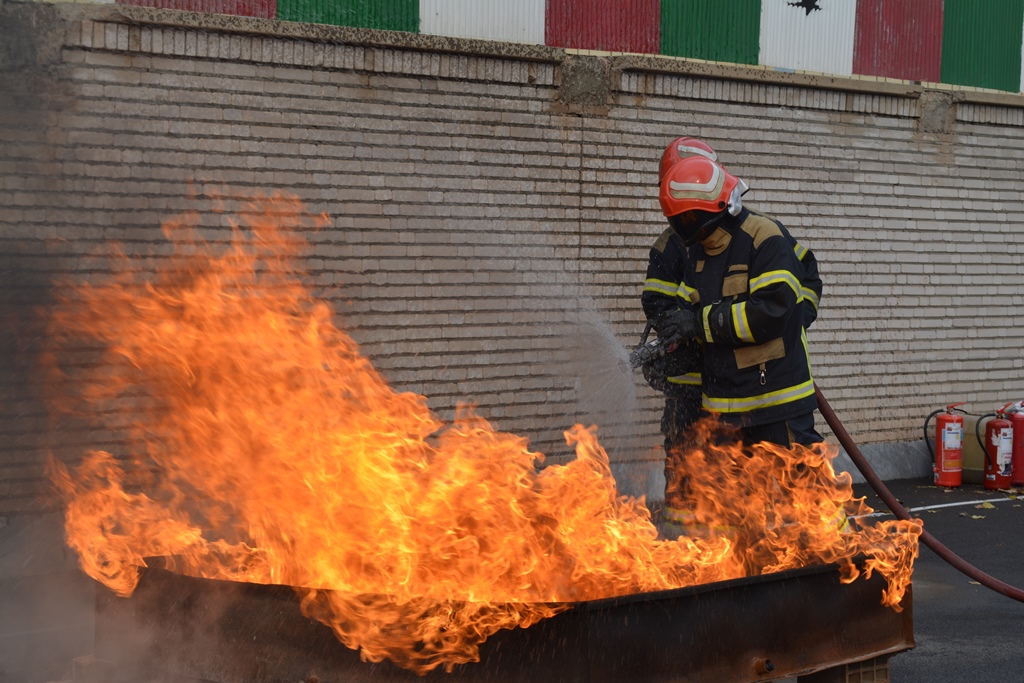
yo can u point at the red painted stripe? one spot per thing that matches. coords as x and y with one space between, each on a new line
899 39
609 25
265 9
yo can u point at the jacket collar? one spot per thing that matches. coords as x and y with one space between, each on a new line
718 239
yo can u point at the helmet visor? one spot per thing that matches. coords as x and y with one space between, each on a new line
692 226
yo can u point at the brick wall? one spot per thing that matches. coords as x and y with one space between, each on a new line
491 208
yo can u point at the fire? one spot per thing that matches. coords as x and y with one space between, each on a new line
257 444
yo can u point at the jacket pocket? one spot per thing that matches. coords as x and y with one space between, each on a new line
748 356
734 285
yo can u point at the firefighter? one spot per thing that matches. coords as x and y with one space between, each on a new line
745 296
677 375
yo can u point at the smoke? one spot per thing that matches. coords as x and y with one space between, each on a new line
47 604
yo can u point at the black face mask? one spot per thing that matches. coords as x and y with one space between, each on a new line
693 226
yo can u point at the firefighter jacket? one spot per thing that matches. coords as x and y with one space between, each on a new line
748 286
810 283
665 268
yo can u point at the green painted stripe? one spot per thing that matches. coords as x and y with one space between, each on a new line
390 15
981 43
719 30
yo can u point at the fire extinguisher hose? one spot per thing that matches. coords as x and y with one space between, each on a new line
929 540
989 462
927 439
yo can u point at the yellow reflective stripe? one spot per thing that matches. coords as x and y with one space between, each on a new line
800 250
685 291
807 352
660 286
772 398
740 323
690 379
809 295
679 515
774 276
839 521
705 312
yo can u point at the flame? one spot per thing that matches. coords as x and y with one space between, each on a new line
257 444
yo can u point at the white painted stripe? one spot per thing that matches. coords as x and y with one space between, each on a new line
517 21
820 41
925 508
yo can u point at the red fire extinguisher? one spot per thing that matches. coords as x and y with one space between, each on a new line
1016 415
998 449
949 454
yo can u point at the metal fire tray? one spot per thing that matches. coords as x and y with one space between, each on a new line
180 628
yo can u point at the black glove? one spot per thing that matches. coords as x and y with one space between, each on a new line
658 369
655 374
675 325
720 318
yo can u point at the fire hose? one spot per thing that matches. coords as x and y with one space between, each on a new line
929 540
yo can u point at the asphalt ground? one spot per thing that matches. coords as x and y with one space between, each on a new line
964 631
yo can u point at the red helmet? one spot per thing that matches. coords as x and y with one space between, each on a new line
697 184
681 148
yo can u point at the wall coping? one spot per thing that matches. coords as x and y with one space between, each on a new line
659 64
